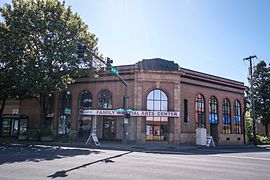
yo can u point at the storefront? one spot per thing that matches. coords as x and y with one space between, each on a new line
13 125
169 103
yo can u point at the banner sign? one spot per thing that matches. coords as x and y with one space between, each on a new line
134 113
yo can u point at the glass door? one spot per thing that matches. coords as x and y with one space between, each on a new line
109 128
85 127
15 127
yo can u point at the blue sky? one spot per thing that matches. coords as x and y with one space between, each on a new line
210 36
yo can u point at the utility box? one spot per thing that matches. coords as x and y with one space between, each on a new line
201 136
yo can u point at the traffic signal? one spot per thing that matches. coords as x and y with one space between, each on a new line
81 50
109 64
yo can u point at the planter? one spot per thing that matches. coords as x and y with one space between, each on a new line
46 138
34 138
22 137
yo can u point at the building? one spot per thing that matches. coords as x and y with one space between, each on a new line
169 103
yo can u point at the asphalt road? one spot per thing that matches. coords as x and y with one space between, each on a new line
46 162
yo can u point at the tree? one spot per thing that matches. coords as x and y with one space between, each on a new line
261 85
43 38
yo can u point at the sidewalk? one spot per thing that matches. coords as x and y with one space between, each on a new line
109 145
117 145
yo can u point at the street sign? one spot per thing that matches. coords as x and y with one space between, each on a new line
125 120
67 111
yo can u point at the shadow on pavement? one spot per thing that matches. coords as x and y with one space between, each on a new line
63 173
11 153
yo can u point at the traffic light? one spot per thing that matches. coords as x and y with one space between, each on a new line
81 50
109 64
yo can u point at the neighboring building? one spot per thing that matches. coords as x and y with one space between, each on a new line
181 100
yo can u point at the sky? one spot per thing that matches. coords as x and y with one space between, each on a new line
210 36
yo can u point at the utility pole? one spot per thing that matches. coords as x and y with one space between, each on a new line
252 113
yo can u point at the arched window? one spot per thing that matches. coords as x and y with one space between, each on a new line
64 112
85 100
237 117
226 116
157 127
85 122
213 110
105 99
200 111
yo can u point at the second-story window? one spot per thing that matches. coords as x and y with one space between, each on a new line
105 99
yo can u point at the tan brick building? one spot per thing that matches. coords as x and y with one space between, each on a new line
169 103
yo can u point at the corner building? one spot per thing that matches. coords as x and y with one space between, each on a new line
168 103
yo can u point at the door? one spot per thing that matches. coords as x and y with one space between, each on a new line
15 127
109 128
85 127
214 132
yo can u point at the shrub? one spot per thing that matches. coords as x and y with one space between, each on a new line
46 132
33 133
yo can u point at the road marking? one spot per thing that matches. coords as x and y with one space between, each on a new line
242 157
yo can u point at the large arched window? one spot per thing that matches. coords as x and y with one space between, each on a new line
105 99
237 117
64 112
85 100
85 122
157 127
200 111
226 116
213 110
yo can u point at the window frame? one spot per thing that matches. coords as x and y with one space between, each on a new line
226 116
200 114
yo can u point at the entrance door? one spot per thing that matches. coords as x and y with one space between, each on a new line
214 132
109 128
85 127
15 127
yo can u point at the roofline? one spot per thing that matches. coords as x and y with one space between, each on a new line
214 76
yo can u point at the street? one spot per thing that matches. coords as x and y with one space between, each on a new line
52 162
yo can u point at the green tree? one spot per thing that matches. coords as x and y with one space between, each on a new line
41 48
261 79
249 126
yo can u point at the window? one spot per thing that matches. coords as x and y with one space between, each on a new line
85 122
85 100
226 117
237 117
213 110
185 111
157 127
64 110
105 100
200 111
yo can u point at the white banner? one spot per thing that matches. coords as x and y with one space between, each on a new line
134 113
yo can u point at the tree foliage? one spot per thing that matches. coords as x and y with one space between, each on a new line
41 47
261 85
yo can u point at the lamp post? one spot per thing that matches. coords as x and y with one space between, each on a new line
252 113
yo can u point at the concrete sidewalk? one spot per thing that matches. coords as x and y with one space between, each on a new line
117 145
